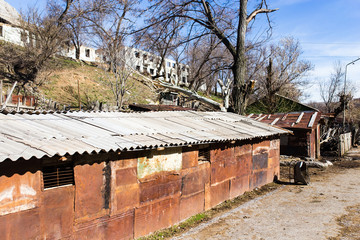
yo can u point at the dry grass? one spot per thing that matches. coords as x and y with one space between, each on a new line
350 224
61 85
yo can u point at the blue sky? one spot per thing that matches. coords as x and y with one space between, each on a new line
328 31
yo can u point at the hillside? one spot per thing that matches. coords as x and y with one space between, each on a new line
61 85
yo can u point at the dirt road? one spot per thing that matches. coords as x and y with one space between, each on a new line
293 211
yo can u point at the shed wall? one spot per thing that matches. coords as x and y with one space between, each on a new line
111 200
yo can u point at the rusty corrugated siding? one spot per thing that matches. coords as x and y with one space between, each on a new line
304 120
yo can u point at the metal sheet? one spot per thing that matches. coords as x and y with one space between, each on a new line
29 135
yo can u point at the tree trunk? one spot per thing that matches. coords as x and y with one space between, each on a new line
239 93
77 53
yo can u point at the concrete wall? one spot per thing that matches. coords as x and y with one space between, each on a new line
11 34
71 53
344 143
132 194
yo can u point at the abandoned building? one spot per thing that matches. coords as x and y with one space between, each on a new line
113 175
305 140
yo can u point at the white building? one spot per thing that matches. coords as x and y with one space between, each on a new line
87 54
144 61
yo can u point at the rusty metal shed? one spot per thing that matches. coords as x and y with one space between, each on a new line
305 126
113 175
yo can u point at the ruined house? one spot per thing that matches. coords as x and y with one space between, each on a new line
113 175
305 126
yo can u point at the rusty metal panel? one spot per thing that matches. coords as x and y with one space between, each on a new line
159 161
125 189
195 179
19 192
244 165
260 161
221 152
219 193
119 226
156 215
189 158
160 187
261 147
90 192
191 205
21 225
57 212
258 179
239 185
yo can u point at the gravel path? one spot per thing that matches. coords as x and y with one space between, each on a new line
291 212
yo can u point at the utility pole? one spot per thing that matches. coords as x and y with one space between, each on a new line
352 62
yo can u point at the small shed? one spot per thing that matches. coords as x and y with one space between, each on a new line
113 175
305 139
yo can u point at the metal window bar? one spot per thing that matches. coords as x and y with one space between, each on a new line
56 176
204 154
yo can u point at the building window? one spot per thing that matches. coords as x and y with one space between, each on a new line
168 64
169 75
1 31
138 68
151 71
23 36
184 79
204 154
137 54
58 175
145 57
173 65
87 52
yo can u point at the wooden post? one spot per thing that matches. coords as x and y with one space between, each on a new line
79 94
9 96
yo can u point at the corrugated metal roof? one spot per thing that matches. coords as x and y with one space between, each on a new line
38 135
304 120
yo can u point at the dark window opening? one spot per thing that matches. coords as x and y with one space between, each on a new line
138 68
169 75
204 154
152 71
1 31
137 54
145 57
59 175
23 36
87 52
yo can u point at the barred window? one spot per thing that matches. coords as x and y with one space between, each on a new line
204 154
59 175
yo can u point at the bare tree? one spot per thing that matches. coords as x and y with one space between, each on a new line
284 73
330 90
109 24
227 21
42 35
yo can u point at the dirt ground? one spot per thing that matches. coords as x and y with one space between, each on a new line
327 208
